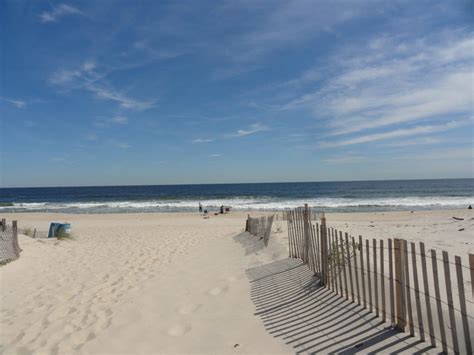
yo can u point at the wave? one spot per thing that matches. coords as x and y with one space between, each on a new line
244 203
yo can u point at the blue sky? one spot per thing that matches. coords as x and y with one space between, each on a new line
162 92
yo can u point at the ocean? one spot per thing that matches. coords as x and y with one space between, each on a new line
351 196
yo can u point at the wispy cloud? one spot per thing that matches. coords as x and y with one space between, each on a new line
119 120
403 132
15 102
417 141
201 140
59 11
87 77
119 144
253 128
124 101
91 137
216 155
344 159
392 81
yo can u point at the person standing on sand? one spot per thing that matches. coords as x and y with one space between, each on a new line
200 207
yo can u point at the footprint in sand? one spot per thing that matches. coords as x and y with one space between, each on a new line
188 308
178 330
217 290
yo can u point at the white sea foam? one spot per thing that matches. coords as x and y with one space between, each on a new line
242 203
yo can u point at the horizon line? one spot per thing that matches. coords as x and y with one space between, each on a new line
229 183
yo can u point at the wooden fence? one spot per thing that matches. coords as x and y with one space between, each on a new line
400 282
260 227
9 247
285 215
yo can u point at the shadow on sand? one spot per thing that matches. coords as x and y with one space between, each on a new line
251 244
294 307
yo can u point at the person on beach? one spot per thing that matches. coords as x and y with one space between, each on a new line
222 209
200 207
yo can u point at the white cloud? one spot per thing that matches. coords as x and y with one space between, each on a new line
119 120
254 128
124 101
15 102
403 132
201 140
215 155
119 144
417 141
392 81
344 159
87 77
59 11
90 137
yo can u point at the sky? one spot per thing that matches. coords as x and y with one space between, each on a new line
118 92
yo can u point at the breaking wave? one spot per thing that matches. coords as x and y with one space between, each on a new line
246 203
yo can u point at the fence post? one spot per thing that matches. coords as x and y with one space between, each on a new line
399 283
306 217
16 247
324 251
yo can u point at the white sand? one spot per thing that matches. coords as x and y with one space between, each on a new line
143 283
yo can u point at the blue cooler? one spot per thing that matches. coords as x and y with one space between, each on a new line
59 230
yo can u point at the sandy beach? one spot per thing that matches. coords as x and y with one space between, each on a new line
166 283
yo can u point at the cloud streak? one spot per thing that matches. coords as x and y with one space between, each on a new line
58 12
15 102
87 77
253 128
403 132
391 81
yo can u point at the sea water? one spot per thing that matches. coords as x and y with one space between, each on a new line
351 196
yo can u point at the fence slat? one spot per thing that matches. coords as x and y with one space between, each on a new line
382 281
449 294
306 213
407 289
426 289
462 303
417 293
342 257
369 287
317 251
362 276
399 283
332 263
376 291
324 252
356 275
391 288
290 246
338 264
349 264
438 301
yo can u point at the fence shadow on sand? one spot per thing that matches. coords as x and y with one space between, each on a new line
294 307
249 243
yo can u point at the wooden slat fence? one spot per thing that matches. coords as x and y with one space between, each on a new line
260 227
417 290
9 247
